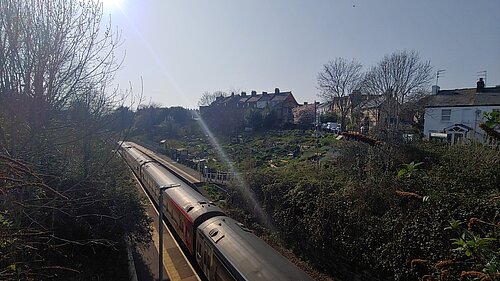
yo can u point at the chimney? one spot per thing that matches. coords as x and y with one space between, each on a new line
254 93
276 90
305 103
264 93
435 89
480 85
243 94
232 94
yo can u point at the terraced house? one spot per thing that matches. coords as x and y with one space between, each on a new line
455 115
237 110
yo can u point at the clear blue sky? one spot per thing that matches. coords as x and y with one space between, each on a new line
182 48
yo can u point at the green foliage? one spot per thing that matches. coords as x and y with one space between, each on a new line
347 203
471 244
329 116
253 119
492 118
472 256
348 221
409 169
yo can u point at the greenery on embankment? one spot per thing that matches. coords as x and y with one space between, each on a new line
357 218
383 212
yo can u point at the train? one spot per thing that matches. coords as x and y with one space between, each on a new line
223 248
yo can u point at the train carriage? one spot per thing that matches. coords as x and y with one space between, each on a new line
223 248
185 208
134 157
226 250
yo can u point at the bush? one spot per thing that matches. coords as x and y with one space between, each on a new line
360 221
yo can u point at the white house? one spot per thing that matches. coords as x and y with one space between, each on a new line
455 115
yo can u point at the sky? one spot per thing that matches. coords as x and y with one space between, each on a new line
182 48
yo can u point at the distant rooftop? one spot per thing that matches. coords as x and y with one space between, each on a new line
466 97
254 97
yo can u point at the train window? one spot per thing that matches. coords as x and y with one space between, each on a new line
198 251
221 272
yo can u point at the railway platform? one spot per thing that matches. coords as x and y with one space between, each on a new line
146 259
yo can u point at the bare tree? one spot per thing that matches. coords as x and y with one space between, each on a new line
207 97
399 76
54 51
338 79
61 182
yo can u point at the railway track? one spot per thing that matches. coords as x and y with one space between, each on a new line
223 248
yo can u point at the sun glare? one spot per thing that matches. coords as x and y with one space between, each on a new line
111 4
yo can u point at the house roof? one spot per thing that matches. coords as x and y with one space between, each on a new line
244 98
278 97
254 98
465 97
281 96
266 97
229 99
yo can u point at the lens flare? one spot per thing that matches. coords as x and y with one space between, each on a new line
241 182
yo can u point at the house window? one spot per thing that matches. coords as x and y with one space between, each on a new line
445 114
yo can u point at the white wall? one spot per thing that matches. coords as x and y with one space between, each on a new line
470 116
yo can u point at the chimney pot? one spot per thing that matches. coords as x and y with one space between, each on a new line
243 94
480 85
305 103
264 93
435 89
276 90
254 93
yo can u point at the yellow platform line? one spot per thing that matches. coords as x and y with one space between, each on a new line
168 264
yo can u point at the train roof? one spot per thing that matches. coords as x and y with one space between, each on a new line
136 154
195 205
252 258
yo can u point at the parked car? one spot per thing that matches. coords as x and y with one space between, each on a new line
332 127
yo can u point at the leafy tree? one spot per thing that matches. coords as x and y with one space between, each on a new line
253 118
269 117
329 117
492 126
